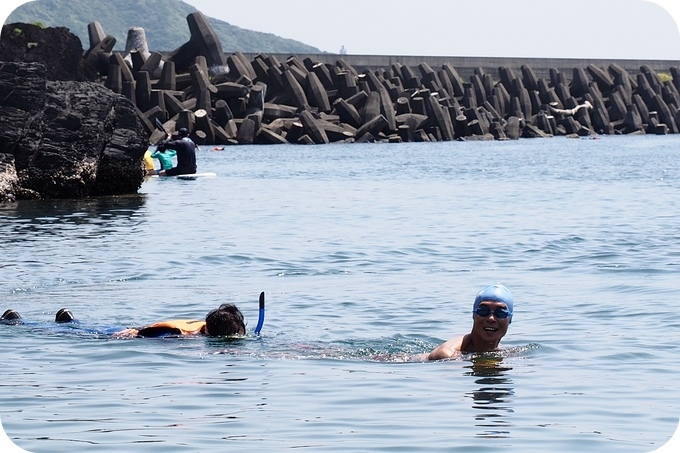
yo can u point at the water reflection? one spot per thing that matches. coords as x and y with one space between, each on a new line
494 397
23 220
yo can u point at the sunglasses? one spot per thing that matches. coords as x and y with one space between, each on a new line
499 313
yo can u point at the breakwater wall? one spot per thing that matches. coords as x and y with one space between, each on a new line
466 66
445 98
322 98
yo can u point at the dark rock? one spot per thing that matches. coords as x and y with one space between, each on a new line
294 90
513 128
316 93
9 182
348 113
246 132
371 107
531 131
59 50
372 128
313 128
269 137
68 139
203 42
496 129
440 117
633 121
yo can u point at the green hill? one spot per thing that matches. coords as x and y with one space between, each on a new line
164 22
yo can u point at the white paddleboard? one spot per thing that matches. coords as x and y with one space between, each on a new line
197 175
194 176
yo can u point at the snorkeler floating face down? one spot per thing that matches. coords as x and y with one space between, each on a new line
224 321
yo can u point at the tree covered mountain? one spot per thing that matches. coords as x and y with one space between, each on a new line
164 22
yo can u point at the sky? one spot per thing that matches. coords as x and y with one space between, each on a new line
621 29
610 29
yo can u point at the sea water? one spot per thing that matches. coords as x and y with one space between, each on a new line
369 255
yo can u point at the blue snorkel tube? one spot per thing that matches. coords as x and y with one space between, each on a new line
260 319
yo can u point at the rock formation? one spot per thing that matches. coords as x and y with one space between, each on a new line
59 50
65 139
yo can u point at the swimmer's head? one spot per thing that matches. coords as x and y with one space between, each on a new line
227 320
498 293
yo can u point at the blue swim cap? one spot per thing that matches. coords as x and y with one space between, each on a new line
498 293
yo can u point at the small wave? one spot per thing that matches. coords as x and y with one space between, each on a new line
396 349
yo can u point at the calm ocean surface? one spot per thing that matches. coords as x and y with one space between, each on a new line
369 255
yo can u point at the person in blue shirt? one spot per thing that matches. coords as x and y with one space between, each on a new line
164 158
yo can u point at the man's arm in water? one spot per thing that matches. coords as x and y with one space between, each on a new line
126 333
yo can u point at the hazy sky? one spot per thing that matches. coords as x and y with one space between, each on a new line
523 28
624 29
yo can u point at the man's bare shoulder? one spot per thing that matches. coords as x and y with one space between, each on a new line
449 349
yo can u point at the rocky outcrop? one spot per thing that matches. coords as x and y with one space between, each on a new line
59 50
65 139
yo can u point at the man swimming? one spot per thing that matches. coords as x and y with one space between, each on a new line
491 314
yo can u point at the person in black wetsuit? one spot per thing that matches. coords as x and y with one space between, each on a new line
186 154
